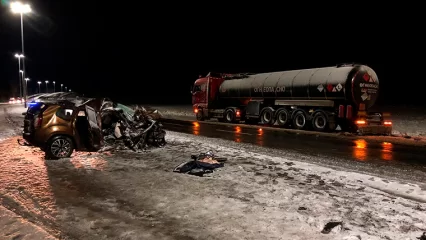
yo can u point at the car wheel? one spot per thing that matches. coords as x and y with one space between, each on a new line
59 147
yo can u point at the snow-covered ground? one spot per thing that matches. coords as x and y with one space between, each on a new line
407 120
127 195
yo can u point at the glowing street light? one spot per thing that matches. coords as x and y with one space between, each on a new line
54 86
47 89
18 7
21 9
39 88
66 89
61 86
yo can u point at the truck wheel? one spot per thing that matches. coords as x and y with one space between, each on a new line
283 117
59 147
267 116
299 120
320 122
200 115
229 116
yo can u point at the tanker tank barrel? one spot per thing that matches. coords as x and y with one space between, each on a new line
353 84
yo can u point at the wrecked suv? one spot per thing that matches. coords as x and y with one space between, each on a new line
60 127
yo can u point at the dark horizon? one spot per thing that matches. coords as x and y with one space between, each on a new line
132 57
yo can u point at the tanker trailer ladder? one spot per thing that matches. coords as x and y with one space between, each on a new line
373 123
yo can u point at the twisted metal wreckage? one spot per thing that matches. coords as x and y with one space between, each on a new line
125 128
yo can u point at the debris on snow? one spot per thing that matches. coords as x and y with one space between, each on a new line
201 164
329 226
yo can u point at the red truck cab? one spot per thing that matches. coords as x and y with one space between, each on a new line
204 92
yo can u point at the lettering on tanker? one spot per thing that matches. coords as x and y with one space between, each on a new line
369 85
269 89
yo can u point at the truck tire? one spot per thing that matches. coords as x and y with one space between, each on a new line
299 120
59 147
267 116
200 115
230 115
320 122
282 117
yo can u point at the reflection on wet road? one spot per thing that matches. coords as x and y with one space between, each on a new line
359 150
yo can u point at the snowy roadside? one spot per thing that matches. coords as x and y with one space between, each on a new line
130 195
13 226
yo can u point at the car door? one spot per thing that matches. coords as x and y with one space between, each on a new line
94 128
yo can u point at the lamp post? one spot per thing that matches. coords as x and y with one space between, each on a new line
26 84
19 56
22 80
39 86
47 89
54 86
18 7
62 86
66 89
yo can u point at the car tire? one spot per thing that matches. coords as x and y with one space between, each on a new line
59 147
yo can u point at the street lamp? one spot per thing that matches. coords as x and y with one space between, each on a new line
19 56
39 88
70 90
61 86
20 8
66 89
54 86
26 84
47 89
22 77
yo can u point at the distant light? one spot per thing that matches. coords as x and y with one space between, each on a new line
53 81
46 82
18 7
21 71
27 79
39 82
19 55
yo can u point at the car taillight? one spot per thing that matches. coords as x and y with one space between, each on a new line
38 121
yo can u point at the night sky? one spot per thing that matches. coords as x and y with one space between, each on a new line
152 54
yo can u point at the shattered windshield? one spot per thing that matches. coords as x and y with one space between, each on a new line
128 111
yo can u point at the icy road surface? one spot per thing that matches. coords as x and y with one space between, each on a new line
407 121
255 196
